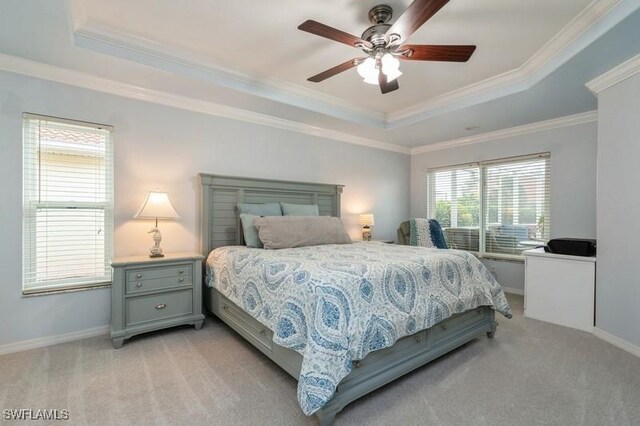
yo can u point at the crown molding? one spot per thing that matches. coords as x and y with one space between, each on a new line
70 77
615 75
492 88
596 19
575 36
540 126
106 40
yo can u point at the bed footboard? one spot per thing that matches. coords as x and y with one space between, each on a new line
376 369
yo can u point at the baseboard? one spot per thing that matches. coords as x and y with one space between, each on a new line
41 342
616 341
518 291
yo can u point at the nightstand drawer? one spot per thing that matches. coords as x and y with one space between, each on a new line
158 284
158 306
163 272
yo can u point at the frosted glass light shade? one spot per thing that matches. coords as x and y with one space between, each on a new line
390 67
372 79
366 219
392 74
368 71
157 206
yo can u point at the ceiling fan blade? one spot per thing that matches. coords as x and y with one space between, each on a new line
333 71
416 14
431 52
331 33
387 86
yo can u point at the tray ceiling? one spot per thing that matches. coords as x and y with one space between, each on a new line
247 61
260 40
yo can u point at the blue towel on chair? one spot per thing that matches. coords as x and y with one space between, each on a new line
426 233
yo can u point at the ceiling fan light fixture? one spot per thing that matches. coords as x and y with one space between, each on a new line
390 66
372 79
392 74
368 71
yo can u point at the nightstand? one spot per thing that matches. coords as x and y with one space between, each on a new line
154 293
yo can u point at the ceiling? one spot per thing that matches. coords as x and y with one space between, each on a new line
261 39
246 60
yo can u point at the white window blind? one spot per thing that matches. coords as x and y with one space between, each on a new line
67 204
517 204
454 202
500 207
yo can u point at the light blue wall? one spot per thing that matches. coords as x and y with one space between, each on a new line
618 274
573 181
165 148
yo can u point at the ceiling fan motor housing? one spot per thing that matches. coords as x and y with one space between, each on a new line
376 34
379 16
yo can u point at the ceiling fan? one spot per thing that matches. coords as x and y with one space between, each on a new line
384 44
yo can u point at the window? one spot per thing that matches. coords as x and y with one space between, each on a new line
499 207
454 201
67 204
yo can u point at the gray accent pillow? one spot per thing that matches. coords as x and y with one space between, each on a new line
300 231
299 209
266 209
249 231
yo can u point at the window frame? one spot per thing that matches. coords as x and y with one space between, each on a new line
482 171
30 205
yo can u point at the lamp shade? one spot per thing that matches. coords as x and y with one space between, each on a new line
366 219
157 206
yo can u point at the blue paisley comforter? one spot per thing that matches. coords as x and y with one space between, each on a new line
336 303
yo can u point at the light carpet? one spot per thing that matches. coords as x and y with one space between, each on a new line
532 373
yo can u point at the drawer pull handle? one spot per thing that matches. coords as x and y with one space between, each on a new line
181 279
138 275
262 331
418 338
161 306
444 326
138 284
357 364
181 271
225 307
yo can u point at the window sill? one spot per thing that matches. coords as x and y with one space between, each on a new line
502 258
47 292
499 257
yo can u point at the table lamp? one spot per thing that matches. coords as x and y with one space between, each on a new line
366 220
156 206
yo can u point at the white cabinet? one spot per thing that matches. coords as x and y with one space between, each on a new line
560 288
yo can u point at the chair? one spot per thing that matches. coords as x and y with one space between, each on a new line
404 234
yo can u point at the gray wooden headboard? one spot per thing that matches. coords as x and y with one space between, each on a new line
220 224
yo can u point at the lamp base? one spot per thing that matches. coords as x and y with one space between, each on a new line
156 250
366 233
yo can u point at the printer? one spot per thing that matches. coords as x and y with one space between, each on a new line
572 246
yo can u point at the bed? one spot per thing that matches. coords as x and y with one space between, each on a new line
344 367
